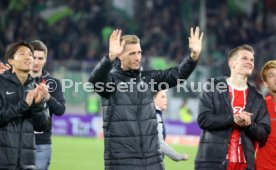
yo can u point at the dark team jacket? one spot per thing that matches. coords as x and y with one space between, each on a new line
216 121
18 122
56 105
129 117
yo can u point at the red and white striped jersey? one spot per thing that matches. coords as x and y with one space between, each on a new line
238 101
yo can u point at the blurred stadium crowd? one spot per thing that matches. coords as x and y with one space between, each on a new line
79 30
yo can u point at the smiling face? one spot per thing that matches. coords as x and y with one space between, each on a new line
131 57
242 63
22 60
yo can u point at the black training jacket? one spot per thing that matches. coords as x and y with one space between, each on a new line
56 105
130 125
216 121
18 122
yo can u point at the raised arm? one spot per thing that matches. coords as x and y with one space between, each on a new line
172 76
100 74
195 42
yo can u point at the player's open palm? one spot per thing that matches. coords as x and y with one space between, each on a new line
30 97
195 42
115 46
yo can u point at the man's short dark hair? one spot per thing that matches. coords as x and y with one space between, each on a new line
39 46
234 51
12 48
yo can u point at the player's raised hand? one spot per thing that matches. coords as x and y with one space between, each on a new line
4 67
195 42
115 46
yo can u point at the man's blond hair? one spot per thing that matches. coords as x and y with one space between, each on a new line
269 65
130 39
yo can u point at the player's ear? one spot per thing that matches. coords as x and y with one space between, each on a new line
230 62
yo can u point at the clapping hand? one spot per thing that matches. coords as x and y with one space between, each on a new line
37 95
42 93
243 119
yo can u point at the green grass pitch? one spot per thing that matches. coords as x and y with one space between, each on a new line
80 153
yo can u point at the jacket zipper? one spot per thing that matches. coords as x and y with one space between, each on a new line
20 134
140 96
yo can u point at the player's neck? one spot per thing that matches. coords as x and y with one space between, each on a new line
21 75
36 74
238 81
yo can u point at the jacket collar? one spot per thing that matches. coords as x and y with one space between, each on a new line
249 102
45 74
12 77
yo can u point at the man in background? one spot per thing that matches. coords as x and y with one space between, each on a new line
54 99
160 102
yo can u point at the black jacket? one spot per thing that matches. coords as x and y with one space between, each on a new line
18 122
130 126
56 105
216 120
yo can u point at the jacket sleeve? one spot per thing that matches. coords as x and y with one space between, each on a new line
208 119
173 75
165 148
10 112
40 117
260 129
100 76
56 103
